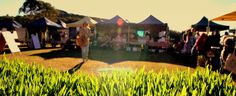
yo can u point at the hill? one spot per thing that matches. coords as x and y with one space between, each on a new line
62 15
71 17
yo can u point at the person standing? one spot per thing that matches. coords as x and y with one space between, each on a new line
83 38
189 42
64 38
224 37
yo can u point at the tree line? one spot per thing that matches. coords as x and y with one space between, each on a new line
35 9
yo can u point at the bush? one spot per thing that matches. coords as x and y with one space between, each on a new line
18 78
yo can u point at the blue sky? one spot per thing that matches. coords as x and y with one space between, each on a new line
179 14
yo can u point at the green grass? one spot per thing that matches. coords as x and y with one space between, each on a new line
18 78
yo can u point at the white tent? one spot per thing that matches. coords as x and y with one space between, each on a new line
151 20
63 24
43 22
79 23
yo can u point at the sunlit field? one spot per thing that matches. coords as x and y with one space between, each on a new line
18 78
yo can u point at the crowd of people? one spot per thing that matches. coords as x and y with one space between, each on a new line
209 47
198 48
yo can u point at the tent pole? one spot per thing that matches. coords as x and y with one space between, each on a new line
128 33
208 27
95 34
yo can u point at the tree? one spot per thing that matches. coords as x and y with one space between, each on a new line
30 7
36 9
48 11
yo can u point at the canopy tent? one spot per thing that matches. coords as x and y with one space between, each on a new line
153 25
112 32
99 20
203 24
45 29
151 20
89 20
44 22
227 17
156 29
9 24
114 20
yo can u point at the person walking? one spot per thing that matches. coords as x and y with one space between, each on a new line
83 39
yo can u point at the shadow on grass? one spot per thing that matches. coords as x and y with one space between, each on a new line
75 53
26 49
75 68
7 50
111 56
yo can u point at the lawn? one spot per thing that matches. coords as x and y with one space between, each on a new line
109 61
19 78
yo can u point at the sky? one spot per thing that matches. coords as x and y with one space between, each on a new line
179 14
